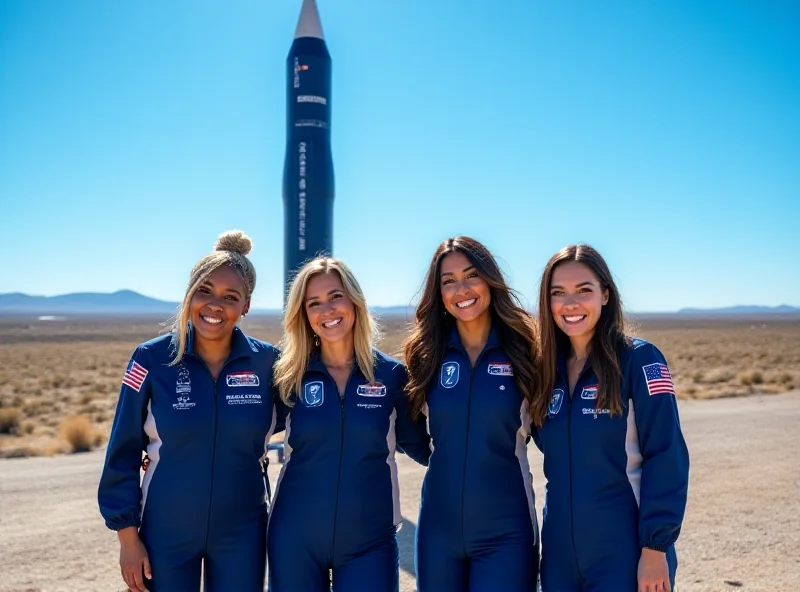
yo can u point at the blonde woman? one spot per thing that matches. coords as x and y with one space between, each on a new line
199 402
337 500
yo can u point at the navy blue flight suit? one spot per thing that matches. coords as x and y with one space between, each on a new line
614 485
202 495
337 502
478 529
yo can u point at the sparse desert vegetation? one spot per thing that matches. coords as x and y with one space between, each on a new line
59 380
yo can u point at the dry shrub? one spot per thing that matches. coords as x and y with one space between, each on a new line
79 432
20 452
751 377
718 375
9 420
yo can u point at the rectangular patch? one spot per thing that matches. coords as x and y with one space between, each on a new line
369 405
134 375
589 392
248 399
501 369
659 380
596 412
371 390
242 379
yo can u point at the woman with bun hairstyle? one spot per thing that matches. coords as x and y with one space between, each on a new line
473 371
337 502
606 419
199 402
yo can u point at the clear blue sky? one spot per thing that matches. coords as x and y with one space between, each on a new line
665 133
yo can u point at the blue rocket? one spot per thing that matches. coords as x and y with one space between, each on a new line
308 183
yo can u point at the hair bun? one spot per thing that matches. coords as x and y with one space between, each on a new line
234 240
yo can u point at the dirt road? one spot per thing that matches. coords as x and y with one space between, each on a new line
742 529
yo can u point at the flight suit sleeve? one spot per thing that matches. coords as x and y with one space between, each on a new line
411 435
119 492
280 409
665 457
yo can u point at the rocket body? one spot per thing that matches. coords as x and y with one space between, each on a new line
308 181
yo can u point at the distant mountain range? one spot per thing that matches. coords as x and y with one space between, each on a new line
742 310
121 302
128 302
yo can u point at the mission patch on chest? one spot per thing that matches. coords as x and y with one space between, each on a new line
371 390
242 379
500 369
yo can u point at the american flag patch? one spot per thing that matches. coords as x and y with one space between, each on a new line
134 375
659 380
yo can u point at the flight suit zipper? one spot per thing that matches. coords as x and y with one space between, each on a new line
466 441
214 440
569 450
342 417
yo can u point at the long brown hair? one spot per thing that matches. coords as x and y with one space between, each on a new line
607 343
424 348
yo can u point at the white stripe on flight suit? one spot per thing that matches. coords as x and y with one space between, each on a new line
266 450
426 412
152 451
287 455
391 442
634 453
522 456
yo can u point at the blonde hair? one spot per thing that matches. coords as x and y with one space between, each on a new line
297 343
231 249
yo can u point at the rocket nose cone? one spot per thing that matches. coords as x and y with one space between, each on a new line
309 24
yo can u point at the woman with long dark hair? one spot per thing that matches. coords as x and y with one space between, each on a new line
471 358
606 419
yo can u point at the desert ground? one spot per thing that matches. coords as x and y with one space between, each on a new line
59 381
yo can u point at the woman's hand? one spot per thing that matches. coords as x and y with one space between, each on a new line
133 560
653 574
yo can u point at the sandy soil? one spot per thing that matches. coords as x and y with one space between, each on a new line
742 529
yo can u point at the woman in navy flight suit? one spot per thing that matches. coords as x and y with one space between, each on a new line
615 460
471 360
199 402
337 500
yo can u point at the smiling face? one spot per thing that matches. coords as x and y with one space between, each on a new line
330 311
217 304
576 299
465 294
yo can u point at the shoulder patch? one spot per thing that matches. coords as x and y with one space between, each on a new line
500 369
658 379
135 374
